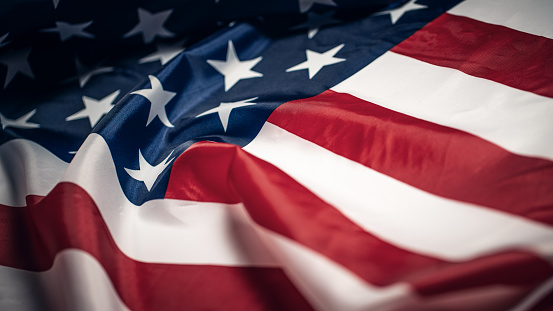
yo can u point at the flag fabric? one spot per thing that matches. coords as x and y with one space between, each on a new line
299 155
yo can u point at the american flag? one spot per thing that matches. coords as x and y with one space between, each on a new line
292 155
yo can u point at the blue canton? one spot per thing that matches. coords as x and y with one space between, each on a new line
154 79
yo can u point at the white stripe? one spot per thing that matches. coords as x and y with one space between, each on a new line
165 231
76 281
26 168
329 286
531 16
396 212
516 120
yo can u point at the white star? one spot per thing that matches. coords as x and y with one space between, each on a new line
316 21
67 30
158 98
2 43
224 110
85 73
396 13
312 32
16 60
146 172
233 69
21 122
164 53
151 25
316 61
305 5
94 109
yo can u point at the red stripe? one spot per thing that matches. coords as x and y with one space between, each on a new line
277 202
544 305
196 178
517 59
68 218
431 157
512 269
487 298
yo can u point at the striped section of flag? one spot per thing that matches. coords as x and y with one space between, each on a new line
422 182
